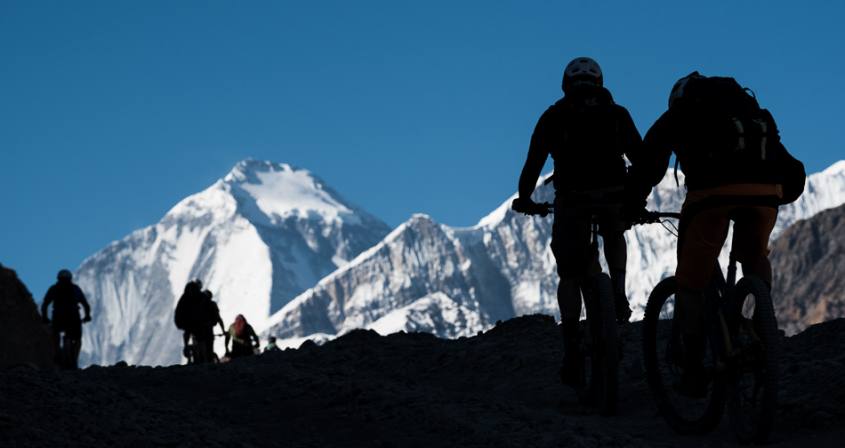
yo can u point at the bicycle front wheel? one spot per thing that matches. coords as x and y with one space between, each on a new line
754 381
603 365
662 353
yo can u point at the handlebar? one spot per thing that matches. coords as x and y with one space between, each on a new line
650 217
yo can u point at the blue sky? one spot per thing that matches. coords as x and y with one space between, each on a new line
111 112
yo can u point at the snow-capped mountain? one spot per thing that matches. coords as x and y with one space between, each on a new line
497 269
257 237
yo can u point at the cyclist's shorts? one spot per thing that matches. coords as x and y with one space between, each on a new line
71 328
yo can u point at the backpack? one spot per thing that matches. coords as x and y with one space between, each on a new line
188 315
729 136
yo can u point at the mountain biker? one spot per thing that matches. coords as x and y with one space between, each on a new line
65 296
735 169
587 135
243 337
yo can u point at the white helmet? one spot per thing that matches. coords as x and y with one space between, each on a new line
680 86
582 70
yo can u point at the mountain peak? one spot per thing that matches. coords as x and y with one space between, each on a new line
280 190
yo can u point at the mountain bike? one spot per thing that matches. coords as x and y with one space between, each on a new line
67 348
599 380
741 354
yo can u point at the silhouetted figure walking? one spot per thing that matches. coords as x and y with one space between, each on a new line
66 297
243 337
210 316
587 135
192 316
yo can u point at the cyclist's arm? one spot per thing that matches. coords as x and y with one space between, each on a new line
80 297
657 148
538 151
629 136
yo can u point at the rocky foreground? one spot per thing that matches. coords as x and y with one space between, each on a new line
498 389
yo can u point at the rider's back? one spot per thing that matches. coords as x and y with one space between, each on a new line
65 297
588 135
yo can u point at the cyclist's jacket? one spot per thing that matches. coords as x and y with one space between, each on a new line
65 298
586 134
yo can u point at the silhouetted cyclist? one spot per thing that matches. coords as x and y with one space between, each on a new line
243 337
66 297
736 169
587 135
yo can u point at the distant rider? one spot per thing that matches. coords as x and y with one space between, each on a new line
65 296
244 340
587 135
271 345
736 169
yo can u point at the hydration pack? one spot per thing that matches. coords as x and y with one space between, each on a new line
729 136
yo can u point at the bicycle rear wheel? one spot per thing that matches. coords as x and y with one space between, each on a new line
662 353
754 381
603 352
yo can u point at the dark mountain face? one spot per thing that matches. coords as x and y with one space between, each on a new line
809 274
24 340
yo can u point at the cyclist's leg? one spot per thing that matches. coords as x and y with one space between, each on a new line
704 234
612 229
73 335
750 244
571 248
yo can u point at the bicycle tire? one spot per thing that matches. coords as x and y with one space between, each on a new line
712 411
754 424
603 384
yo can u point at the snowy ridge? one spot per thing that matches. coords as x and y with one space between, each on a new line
257 237
500 268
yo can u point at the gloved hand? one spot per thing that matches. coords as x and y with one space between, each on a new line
633 209
86 319
522 205
528 207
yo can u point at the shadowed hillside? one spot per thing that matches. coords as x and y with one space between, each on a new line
498 389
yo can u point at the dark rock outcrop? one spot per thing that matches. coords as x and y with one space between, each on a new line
809 274
24 340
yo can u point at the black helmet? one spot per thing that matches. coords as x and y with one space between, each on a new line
582 70
64 275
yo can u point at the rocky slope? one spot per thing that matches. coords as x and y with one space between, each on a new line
809 280
257 237
410 390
